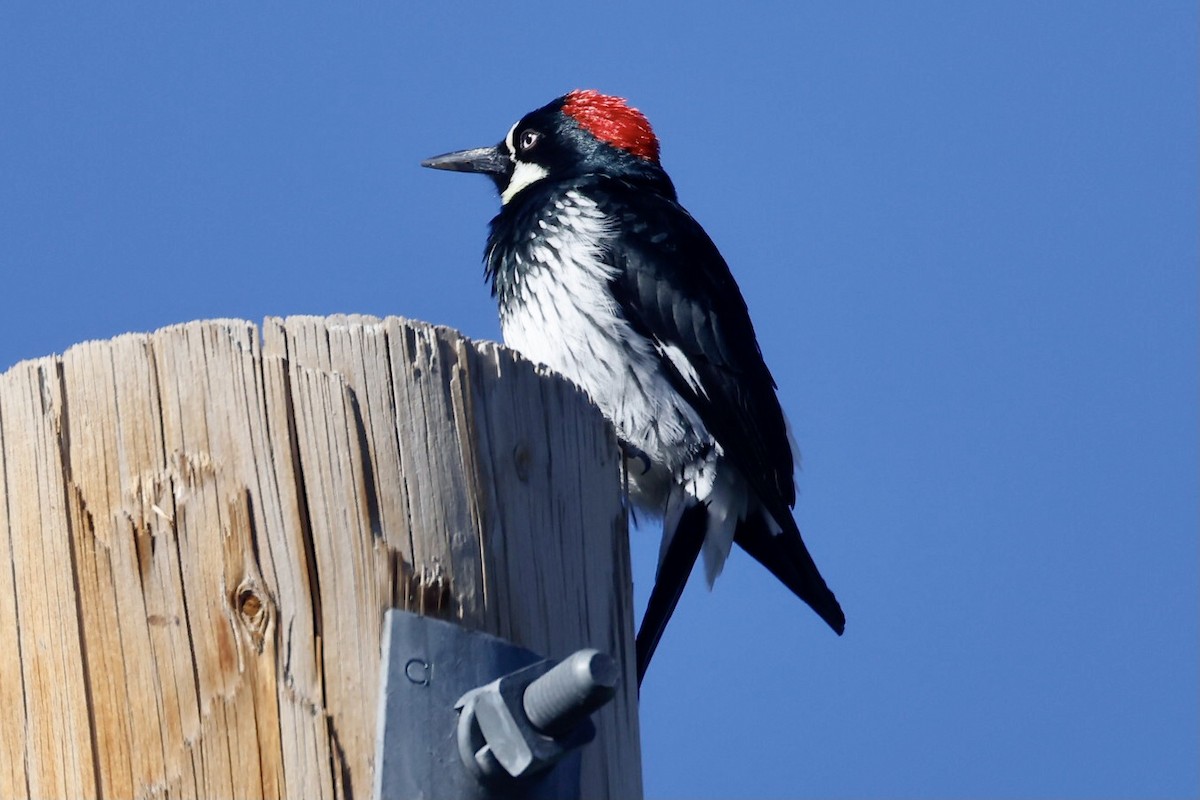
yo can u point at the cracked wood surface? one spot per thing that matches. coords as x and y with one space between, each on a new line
203 529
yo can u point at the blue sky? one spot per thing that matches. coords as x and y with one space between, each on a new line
967 233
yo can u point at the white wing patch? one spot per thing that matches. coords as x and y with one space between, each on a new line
683 366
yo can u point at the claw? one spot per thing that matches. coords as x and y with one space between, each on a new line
631 452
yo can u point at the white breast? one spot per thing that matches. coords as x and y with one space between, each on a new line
564 316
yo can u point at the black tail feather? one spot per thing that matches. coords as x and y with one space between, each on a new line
672 576
785 555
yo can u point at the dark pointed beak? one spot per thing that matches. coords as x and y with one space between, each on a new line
488 160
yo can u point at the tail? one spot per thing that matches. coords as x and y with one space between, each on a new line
673 570
785 555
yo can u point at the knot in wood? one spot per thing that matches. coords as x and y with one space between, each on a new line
255 613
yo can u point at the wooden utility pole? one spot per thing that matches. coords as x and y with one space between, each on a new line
200 532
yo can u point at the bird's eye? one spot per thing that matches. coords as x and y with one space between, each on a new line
529 138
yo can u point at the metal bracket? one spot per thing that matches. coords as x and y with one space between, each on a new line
466 715
521 724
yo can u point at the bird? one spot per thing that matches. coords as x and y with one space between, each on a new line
601 275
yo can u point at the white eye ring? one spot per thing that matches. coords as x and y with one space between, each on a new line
529 138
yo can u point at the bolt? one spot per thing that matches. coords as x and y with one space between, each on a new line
578 685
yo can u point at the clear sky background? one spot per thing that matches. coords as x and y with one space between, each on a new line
967 233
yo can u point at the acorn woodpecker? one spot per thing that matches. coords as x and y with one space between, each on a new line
601 275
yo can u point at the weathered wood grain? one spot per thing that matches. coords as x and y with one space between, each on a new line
203 530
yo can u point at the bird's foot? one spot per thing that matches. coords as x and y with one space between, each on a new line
630 452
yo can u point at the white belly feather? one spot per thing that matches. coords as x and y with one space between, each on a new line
563 315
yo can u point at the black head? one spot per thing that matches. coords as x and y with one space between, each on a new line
581 133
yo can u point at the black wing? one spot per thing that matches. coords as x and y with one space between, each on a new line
674 287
